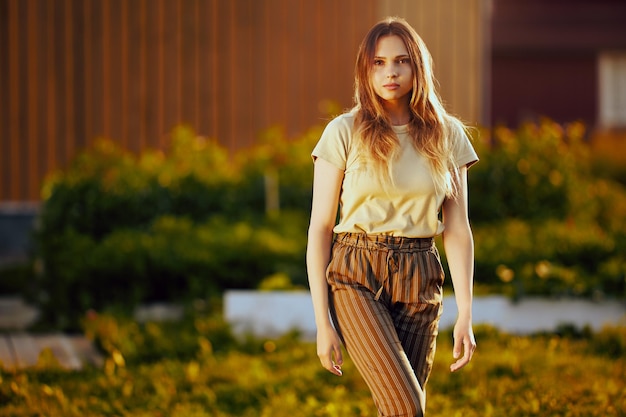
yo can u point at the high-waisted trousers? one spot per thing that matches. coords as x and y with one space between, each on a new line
385 296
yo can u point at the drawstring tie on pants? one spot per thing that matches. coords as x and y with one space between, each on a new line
389 260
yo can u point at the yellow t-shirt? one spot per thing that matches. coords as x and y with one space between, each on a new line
410 207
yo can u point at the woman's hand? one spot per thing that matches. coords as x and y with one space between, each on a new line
329 350
464 344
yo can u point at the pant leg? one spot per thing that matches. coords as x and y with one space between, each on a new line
416 305
367 329
420 350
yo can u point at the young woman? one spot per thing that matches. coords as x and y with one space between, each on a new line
391 165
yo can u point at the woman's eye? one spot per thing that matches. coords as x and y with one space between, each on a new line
379 62
404 61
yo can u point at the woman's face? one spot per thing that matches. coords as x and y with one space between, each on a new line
392 75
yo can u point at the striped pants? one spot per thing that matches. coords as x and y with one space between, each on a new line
385 302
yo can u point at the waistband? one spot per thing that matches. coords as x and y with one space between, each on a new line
385 242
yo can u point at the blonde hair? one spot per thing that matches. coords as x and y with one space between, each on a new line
430 126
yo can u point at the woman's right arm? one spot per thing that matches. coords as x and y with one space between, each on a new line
327 182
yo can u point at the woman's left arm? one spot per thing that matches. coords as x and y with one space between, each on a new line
459 246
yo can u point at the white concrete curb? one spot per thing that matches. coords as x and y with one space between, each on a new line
272 313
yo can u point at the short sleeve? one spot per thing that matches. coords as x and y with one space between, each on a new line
335 141
464 153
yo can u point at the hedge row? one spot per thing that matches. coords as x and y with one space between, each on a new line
545 222
119 229
193 220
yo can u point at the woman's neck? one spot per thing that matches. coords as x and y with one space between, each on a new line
398 112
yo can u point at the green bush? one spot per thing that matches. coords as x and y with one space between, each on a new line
173 259
119 229
288 161
106 188
15 276
193 220
543 222
531 174
610 341
548 258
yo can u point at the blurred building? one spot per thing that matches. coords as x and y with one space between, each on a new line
130 70
565 59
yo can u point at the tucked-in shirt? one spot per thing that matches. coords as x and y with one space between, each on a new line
409 205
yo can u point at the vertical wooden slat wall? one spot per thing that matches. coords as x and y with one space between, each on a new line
130 70
456 33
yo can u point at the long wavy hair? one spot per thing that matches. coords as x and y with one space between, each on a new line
430 126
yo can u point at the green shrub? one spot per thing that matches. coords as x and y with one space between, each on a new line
194 220
528 174
610 341
107 188
174 259
543 223
548 258
288 161
15 277
122 229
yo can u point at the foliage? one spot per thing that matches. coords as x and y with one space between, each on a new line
549 258
106 187
544 221
119 229
197 368
609 154
193 220
173 259
13 275
528 174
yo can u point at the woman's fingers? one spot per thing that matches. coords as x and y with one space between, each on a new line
331 365
464 345
338 361
329 352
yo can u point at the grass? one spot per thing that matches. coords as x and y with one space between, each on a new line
197 369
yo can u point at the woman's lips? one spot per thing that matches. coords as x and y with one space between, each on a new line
392 86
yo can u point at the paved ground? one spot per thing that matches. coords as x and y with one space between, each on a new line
20 349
